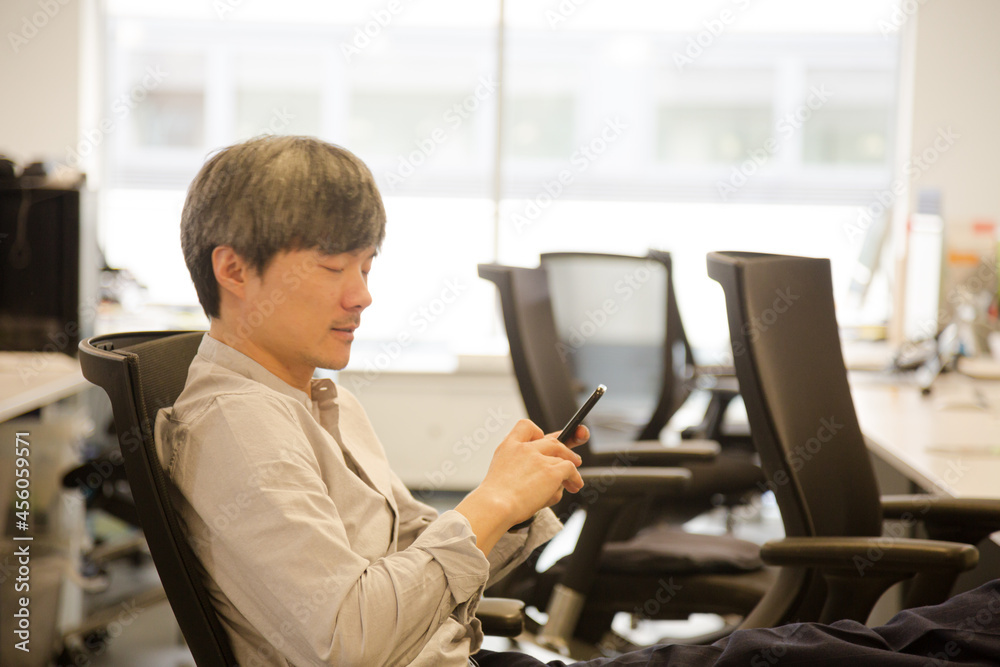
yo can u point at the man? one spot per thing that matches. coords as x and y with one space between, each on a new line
314 551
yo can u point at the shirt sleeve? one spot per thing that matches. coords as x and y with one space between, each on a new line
414 516
268 532
512 549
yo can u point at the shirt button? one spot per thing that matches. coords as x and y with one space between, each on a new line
324 392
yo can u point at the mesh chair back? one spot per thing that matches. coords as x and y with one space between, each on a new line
542 374
679 362
619 325
141 373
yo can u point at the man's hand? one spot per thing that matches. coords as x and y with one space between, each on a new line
529 471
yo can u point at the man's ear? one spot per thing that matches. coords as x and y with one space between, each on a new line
231 271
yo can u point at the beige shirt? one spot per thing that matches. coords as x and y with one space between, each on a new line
315 552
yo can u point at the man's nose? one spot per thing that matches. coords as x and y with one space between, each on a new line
358 295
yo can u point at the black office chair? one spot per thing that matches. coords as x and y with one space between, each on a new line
141 373
617 563
549 391
618 319
834 562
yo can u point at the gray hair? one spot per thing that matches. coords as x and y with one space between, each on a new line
273 194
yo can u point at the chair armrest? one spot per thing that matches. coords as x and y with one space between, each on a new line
653 453
715 370
625 482
501 617
858 570
720 396
862 555
721 387
968 520
725 388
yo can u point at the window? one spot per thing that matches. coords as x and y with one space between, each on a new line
624 126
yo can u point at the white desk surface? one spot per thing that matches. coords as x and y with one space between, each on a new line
30 380
948 442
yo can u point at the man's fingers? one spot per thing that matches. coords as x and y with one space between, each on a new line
581 436
525 430
573 482
552 447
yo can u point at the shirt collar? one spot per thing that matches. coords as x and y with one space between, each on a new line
322 390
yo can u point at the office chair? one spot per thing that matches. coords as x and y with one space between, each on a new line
549 392
834 562
619 561
618 319
141 373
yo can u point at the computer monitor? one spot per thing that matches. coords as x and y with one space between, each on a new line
869 258
39 267
922 316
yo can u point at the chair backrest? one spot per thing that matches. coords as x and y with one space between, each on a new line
791 372
617 317
141 373
788 359
679 361
538 358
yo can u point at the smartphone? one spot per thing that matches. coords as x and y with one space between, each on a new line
570 428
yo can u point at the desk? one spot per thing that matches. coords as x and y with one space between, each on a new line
31 380
947 442
28 381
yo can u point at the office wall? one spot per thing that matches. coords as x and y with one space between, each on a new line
39 78
948 141
48 77
956 85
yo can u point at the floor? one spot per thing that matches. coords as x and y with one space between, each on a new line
147 634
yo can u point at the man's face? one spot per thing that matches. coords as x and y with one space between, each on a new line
302 312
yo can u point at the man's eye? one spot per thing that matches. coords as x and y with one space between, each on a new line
328 268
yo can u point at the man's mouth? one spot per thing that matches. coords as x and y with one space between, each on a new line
348 330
